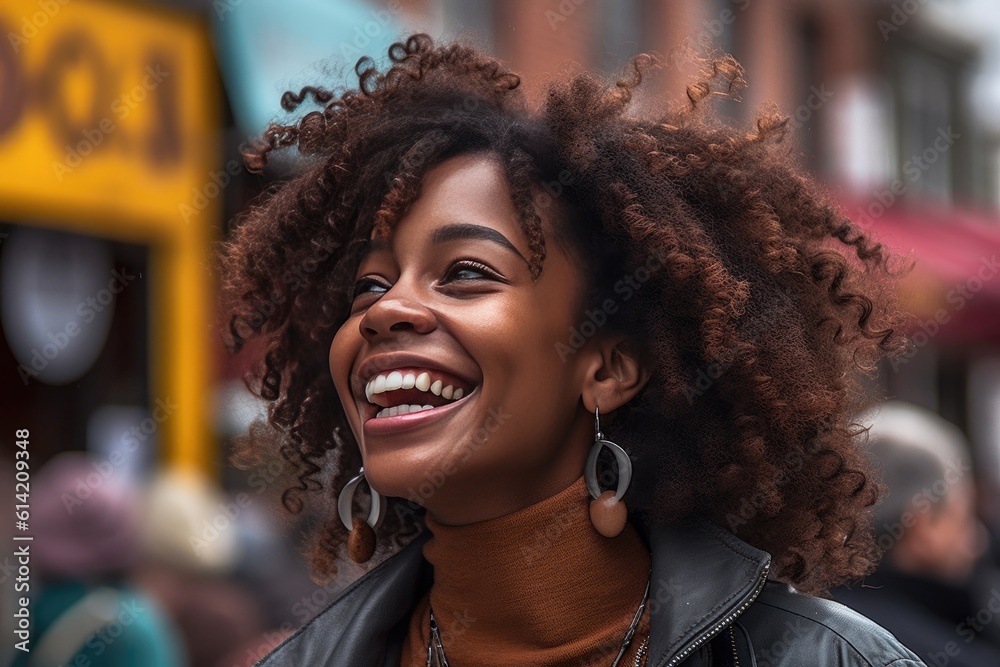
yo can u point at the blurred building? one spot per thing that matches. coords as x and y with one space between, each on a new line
891 104
109 123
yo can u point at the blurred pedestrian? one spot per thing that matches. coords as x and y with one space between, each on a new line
928 529
84 611
190 548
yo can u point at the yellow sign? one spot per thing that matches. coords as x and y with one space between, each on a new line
109 126
103 105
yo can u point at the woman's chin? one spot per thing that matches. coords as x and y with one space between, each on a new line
415 479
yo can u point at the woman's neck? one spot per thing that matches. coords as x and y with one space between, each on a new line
537 580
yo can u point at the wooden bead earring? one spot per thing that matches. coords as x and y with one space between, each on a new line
361 537
607 511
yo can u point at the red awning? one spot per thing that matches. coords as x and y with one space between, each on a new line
956 277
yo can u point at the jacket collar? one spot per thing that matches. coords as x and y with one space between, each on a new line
702 578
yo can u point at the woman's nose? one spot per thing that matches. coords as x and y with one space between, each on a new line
396 311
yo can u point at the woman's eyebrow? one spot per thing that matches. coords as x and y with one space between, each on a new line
456 231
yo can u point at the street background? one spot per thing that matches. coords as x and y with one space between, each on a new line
119 168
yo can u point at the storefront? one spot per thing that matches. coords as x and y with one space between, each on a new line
109 123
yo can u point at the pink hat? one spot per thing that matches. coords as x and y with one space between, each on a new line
84 521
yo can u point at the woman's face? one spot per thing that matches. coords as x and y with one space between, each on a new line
449 368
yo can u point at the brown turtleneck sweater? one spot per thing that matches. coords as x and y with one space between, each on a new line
538 586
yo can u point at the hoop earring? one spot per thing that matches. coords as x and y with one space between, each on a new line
361 533
607 512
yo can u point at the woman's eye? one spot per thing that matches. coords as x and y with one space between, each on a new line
470 270
368 286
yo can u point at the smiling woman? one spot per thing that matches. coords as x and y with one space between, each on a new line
603 423
451 302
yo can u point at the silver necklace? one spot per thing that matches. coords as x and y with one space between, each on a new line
437 658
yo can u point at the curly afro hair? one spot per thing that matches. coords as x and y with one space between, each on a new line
765 312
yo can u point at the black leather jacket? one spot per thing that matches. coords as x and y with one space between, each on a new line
711 605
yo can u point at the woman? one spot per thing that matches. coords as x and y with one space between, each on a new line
508 325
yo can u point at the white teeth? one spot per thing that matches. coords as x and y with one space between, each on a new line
402 410
421 381
394 381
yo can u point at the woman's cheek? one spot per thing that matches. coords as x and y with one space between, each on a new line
341 357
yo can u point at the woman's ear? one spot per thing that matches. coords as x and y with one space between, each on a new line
615 376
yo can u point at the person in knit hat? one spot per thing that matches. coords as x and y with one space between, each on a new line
926 590
86 529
